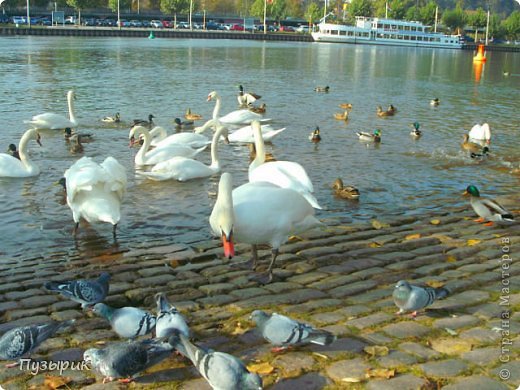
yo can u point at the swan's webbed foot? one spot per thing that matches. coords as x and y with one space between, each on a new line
75 230
262 278
245 265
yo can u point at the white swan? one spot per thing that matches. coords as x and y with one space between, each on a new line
95 191
246 135
286 174
480 133
10 166
146 157
259 213
161 138
51 121
183 168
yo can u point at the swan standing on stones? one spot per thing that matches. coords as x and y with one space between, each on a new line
285 174
259 213
183 168
10 166
51 121
165 152
95 191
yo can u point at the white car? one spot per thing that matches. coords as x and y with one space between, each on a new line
303 29
156 24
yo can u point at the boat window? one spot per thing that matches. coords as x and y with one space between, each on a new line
342 33
394 27
380 25
412 38
414 28
419 38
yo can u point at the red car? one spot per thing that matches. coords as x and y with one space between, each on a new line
167 24
287 28
237 27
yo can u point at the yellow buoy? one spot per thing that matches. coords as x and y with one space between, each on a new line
481 56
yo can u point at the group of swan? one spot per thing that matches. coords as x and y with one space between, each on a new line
95 191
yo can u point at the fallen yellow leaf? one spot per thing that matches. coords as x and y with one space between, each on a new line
413 236
261 368
451 259
472 242
379 225
55 382
351 380
435 221
380 373
434 283
376 350
375 245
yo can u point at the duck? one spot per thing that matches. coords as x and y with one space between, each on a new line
161 152
346 106
322 89
11 166
435 102
258 213
482 155
68 134
75 144
112 119
480 134
180 124
286 174
471 147
246 99
11 150
391 109
315 136
95 191
160 137
345 192
260 109
184 168
143 122
506 73
416 133
341 116
237 117
375 137
382 113
252 154
245 134
51 121
191 116
487 209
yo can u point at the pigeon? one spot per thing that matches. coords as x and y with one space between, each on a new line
127 322
24 339
169 318
282 331
413 298
222 371
85 291
127 359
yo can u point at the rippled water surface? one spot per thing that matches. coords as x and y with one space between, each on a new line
166 76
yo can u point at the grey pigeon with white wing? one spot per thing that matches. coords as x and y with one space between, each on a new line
127 359
412 298
222 371
282 331
22 340
169 318
88 292
128 322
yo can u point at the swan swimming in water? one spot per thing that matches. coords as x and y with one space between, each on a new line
162 153
51 121
246 135
259 213
480 134
95 191
10 166
286 174
183 168
161 138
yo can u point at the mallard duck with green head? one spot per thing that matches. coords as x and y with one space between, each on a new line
375 137
487 209
315 136
416 133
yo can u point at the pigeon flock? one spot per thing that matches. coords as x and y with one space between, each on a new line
171 334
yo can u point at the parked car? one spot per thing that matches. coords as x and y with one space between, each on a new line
89 22
167 23
184 25
237 27
4 19
287 28
213 26
18 19
303 28
136 23
156 24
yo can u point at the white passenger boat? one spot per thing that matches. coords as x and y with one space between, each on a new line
376 31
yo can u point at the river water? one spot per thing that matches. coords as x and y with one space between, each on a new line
166 76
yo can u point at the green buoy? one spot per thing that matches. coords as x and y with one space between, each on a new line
151 36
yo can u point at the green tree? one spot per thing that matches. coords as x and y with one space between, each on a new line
174 7
412 13
360 8
397 9
312 13
512 25
278 9
427 13
78 5
477 20
123 4
454 19
257 9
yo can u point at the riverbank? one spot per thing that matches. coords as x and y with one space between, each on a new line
187 34
339 277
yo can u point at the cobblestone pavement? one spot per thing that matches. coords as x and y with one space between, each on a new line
339 278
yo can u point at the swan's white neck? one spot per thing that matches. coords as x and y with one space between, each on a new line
224 204
140 130
259 146
215 164
216 110
22 148
70 100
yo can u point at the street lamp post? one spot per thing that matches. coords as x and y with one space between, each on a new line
265 16
28 15
191 10
118 16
